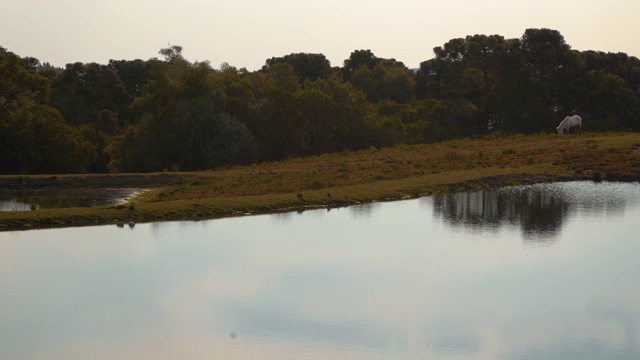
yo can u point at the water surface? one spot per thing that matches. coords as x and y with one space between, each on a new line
26 200
544 271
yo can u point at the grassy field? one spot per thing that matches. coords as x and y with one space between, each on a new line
340 179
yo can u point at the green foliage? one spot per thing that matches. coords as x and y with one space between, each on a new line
277 125
358 59
172 54
306 66
338 116
33 136
122 152
387 80
36 140
139 116
20 81
83 91
390 131
182 124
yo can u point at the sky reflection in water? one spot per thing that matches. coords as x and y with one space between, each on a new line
546 271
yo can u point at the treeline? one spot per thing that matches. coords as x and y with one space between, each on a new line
171 114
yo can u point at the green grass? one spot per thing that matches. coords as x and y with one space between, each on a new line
341 179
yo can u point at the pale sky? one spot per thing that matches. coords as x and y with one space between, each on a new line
244 33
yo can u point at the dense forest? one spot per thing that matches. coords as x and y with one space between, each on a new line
169 114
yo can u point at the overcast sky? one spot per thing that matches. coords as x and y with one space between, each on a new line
244 33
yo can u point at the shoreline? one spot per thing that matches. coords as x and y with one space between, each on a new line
337 180
132 213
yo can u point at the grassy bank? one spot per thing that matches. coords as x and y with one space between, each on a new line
340 179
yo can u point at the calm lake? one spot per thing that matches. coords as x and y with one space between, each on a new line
546 271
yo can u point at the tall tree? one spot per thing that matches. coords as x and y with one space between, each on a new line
551 63
337 117
134 75
182 124
18 80
385 82
356 60
33 137
172 54
306 66
278 126
240 93
82 91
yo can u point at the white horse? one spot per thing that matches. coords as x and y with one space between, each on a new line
570 122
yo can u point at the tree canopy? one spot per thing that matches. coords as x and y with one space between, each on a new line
172 114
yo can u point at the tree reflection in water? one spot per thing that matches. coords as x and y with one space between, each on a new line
538 209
